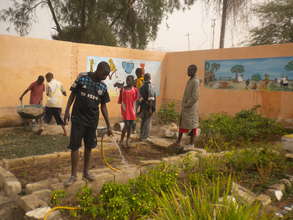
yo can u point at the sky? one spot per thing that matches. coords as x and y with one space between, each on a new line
173 32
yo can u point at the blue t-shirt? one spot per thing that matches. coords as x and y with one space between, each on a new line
89 95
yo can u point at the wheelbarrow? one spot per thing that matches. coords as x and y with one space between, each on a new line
30 113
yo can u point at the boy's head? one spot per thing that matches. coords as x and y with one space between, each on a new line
40 80
147 77
130 80
138 72
191 70
49 76
102 71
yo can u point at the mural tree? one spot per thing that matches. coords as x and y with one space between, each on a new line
289 66
237 69
210 70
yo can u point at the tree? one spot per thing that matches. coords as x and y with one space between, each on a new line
289 66
227 9
237 69
130 23
276 23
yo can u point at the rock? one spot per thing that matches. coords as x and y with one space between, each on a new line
289 156
287 141
200 150
44 184
274 194
150 162
12 187
44 195
5 175
30 202
286 182
172 160
243 193
278 187
38 213
264 199
162 142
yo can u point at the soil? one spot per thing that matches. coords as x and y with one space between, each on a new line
28 144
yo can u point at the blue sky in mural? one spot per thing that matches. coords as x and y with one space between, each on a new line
275 67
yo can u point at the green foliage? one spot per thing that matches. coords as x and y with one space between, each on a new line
276 25
256 77
222 132
168 113
108 22
86 201
57 197
289 66
238 69
202 202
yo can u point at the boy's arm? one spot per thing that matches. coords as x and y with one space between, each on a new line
69 103
104 111
23 94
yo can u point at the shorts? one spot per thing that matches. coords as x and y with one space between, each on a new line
56 112
129 123
79 132
196 131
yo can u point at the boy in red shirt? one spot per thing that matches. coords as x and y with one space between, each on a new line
37 89
127 98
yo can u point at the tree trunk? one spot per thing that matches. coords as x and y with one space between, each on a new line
59 30
223 25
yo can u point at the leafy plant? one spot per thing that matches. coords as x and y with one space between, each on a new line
57 197
168 113
225 132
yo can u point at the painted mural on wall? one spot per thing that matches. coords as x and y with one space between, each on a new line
273 74
121 68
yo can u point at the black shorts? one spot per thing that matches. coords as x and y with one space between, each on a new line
79 132
56 112
129 124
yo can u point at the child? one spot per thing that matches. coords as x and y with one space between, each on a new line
127 98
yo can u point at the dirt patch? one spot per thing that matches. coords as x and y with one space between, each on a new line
60 166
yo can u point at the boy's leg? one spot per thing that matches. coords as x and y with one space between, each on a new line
76 135
148 126
59 121
90 142
143 126
179 138
123 133
129 128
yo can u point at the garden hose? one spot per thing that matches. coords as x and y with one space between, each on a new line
104 159
59 207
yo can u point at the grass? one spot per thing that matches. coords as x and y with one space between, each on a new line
17 142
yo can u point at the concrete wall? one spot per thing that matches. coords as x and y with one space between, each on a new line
273 104
23 59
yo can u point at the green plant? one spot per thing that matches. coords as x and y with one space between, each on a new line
87 202
202 202
168 113
223 132
57 197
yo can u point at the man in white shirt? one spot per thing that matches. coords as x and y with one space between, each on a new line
55 93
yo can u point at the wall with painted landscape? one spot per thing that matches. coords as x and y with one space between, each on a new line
272 74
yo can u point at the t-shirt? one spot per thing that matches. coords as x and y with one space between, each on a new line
36 95
54 92
127 99
89 95
139 82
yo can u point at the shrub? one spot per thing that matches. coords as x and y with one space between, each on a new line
168 113
224 132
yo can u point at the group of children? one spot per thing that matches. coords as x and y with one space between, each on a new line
137 98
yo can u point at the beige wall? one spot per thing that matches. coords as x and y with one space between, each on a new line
23 59
274 104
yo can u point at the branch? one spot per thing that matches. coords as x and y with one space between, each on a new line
54 16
